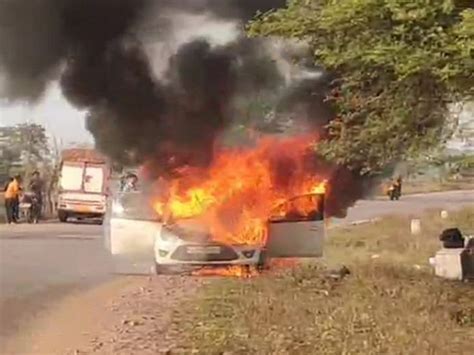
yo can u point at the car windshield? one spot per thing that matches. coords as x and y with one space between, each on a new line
309 207
133 205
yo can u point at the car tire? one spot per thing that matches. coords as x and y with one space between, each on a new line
161 270
62 216
262 261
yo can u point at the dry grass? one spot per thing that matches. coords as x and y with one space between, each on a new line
391 239
388 305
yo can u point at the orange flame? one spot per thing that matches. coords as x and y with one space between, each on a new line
238 193
236 271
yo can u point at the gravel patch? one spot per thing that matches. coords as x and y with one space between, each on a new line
143 318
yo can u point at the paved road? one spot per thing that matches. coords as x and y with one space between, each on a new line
40 262
412 204
34 257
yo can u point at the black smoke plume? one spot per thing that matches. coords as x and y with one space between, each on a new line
105 70
95 49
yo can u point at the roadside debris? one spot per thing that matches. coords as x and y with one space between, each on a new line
338 273
415 226
455 260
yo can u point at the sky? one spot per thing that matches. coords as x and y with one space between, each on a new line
60 119
64 122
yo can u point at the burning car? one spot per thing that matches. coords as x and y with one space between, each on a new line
246 206
186 245
295 229
138 238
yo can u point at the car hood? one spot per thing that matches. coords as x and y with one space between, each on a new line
190 231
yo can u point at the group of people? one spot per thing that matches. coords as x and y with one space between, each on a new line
14 192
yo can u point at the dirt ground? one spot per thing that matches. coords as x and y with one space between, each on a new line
131 315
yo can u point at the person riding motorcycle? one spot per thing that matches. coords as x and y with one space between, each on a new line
395 190
30 207
36 196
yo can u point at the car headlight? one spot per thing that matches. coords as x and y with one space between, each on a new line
248 253
117 208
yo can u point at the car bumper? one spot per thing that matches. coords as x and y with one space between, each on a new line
71 213
256 259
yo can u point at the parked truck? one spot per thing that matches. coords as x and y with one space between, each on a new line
83 184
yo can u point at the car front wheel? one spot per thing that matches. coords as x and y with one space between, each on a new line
161 270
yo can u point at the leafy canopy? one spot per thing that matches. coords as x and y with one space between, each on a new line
25 147
397 65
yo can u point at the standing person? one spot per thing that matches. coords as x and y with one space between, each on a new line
36 187
16 205
12 199
130 183
6 202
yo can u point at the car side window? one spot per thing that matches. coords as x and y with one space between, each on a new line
301 208
133 205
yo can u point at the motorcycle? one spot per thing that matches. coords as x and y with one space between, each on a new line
393 193
30 208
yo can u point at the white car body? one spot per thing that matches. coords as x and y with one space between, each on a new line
142 242
173 248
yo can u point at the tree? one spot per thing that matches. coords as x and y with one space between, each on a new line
465 125
25 147
397 66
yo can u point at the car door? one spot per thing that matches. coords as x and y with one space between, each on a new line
130 228
296 228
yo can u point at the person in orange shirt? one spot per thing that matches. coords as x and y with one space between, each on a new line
12 198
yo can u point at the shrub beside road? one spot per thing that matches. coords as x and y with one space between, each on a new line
391 303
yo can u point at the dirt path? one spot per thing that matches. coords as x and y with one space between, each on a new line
127 316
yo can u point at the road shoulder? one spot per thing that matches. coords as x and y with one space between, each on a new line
124 316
